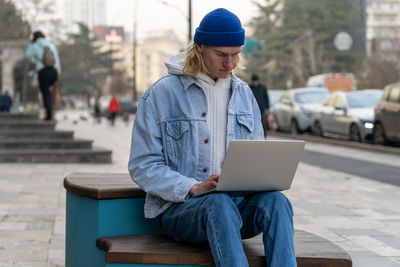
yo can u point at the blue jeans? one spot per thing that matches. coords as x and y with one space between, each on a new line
223 221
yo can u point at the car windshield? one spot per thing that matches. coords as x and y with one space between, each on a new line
363 100
274 97
311 97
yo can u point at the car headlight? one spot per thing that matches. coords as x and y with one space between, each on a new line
368 125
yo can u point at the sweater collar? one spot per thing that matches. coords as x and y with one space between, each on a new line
188 80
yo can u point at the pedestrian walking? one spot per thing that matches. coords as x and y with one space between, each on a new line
113 108
48 67
261 94
97 108
183 126
5 102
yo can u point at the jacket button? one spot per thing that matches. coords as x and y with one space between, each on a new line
205 170
206 141
203 114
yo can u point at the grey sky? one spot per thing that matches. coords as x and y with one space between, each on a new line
153 15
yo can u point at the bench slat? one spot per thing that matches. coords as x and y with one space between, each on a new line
103 185
311 250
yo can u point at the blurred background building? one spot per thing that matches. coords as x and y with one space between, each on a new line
383 25
90 12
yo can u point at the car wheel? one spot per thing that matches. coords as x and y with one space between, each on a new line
355 133
318 129
379 134
294 127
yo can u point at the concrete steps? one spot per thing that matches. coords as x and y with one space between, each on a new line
18 116
25 138
84 155
26 125
30 143
35 134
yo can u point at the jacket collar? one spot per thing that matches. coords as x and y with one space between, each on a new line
187 81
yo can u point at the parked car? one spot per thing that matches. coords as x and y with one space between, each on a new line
347 114
387 116
295 107
274 95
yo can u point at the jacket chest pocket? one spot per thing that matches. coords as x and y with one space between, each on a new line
177 138
245 126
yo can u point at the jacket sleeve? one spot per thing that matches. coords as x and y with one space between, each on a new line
30 51
147 165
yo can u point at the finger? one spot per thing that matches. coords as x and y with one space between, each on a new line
210 184
214 178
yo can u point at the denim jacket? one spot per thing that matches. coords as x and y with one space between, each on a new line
169 153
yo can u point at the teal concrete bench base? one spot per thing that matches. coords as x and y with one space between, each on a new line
88 219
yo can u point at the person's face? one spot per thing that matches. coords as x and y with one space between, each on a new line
220 61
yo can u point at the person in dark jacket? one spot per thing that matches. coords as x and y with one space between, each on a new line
5 102
261 95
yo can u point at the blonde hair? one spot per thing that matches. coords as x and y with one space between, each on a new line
194 62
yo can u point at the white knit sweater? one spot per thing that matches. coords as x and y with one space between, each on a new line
217 94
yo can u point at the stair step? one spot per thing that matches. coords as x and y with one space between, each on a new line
19 116
30 143
26 124
95 155
36 134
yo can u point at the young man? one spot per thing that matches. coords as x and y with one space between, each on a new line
183 127
47 75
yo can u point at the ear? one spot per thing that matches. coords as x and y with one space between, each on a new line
200 48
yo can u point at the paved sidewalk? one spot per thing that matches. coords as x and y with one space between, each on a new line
360 215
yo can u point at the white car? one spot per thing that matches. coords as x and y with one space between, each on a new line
347 114
295 107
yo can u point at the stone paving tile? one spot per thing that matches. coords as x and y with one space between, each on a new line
40 226
367 261
4 196
56 258
11 226
21 264
24 236
356 231
391 241
57 241
33 251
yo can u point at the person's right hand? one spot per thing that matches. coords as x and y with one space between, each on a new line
208 184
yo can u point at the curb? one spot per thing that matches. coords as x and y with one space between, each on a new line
331 141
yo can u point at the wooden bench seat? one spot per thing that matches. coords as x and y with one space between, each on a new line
311 250
105 227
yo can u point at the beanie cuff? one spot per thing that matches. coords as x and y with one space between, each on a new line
219 38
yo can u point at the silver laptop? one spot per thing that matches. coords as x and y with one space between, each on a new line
252 165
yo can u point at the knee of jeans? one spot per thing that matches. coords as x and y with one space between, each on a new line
278 201
221 205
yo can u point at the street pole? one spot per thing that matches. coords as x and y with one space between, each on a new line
190 22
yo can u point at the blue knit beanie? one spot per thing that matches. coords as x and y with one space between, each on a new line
220 27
